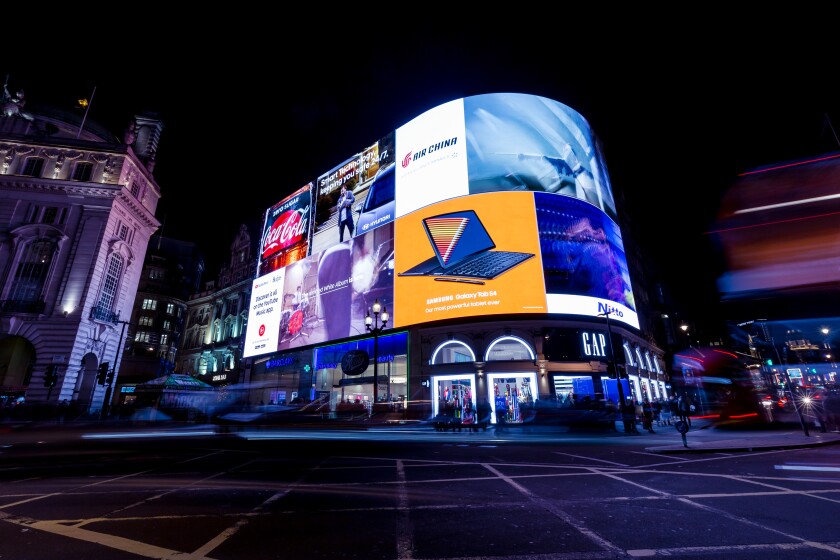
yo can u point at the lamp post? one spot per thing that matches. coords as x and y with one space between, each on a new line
611 363
376 324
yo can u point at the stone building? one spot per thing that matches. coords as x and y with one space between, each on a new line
77 210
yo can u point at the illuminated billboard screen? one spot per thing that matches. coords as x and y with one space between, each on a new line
286 231
492 204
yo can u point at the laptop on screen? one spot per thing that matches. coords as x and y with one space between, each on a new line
463 248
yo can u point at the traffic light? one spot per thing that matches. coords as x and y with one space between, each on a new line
51 376
109 379
102 373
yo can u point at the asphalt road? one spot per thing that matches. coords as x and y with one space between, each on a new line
409 493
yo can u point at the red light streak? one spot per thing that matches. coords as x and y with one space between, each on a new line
773 222
795 164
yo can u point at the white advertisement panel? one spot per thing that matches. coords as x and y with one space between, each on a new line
264 314
431 154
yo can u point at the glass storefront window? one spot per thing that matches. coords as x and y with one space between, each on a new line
511 396
454 395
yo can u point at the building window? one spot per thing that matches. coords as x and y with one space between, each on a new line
145 321
156 274
33 214
83 171
640 363
142 336
112 279
135 189
170 309
124 233
451 352
31 273
509 348
628 355
164 339
149 304
33 167
167 325
49 215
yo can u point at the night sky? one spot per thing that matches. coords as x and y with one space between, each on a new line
680 113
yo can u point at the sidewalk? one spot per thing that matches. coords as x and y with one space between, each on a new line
706 438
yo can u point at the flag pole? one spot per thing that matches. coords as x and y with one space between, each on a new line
86 113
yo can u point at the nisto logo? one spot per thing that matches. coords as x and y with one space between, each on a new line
262 330
406 160
605 308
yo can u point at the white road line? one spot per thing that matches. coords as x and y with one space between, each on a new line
405 540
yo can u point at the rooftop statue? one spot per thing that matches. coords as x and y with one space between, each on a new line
13 104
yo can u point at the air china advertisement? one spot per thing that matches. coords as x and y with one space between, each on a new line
491 204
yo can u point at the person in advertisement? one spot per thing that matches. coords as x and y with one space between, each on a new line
345 212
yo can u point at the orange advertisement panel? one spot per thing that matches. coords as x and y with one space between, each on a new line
468 256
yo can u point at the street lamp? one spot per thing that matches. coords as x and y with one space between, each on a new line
376 324
684 329
611 362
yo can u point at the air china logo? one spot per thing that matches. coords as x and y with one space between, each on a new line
436 147
289 228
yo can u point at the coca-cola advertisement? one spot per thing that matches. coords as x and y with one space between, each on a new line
288 223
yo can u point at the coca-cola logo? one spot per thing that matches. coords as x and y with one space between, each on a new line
288 229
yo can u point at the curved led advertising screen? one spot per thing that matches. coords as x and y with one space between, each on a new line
492 204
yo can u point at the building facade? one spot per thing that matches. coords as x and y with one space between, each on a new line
77 210
172 271
216 318
388 230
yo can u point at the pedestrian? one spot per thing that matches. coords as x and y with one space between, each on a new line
483 412
628 416
647 416
684 409
345 212
665 412
832 410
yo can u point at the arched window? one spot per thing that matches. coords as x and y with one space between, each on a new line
452 352
628 355
639 361
32 270
112 282
508 348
